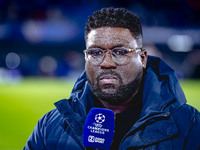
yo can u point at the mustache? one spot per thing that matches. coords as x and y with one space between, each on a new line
111 72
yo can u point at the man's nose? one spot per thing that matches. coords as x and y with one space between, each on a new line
108 63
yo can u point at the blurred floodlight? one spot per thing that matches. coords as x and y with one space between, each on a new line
49 31
12 60
48 64
32 31
180 43
160 35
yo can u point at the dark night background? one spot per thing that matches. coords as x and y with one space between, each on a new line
46 37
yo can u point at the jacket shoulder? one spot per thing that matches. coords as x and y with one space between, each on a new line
51 121
189 111
187 119
51 116
186 115
44 128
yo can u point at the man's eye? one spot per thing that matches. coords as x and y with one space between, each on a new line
120 52
95 52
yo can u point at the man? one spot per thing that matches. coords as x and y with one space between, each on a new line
143 92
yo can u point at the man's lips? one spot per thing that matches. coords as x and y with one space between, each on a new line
108 79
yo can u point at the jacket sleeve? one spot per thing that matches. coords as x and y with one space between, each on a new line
193 138
36 140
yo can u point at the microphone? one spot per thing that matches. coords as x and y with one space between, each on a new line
99 128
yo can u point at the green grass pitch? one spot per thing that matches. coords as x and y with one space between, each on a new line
24 103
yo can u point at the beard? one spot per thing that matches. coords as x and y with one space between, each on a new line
121 94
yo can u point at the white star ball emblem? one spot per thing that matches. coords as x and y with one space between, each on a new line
100 118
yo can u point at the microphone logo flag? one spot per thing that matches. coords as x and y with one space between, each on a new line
99 128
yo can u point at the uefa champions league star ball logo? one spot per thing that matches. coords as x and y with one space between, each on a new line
100 118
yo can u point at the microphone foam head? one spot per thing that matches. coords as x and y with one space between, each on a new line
99 128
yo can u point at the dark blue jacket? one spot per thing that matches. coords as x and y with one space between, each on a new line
166 121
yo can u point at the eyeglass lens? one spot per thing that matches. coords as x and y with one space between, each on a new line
119 55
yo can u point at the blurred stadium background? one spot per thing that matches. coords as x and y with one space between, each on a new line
41 44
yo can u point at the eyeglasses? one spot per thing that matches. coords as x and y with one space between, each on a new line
119 55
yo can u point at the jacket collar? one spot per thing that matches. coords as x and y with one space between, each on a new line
162 96
162 91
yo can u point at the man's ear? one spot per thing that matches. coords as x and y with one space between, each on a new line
143 56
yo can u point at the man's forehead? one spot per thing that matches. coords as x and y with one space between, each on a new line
109 36
109 31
